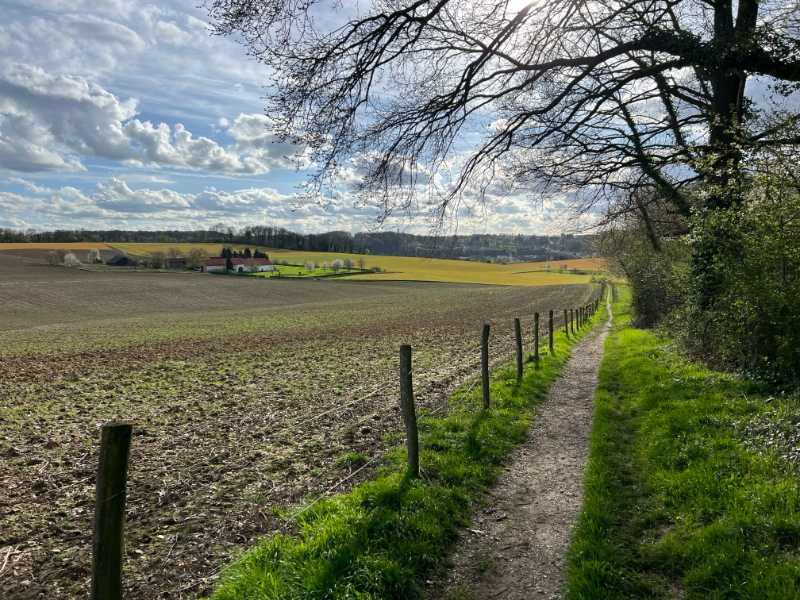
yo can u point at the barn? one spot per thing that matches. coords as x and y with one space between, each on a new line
242 265
176 263
119 261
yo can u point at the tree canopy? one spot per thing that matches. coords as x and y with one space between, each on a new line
454 98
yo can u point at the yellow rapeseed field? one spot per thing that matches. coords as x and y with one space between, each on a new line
413 269
397 267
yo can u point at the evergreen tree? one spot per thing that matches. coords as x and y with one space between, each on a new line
228 263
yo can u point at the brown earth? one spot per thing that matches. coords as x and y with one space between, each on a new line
516 545
223 419
35 294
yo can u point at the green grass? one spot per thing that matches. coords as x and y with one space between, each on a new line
681 499
379 540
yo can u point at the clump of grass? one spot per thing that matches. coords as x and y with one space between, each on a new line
381 538
678 501
352 460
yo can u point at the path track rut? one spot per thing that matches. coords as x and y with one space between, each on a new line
515 549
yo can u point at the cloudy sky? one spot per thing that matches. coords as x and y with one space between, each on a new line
119 113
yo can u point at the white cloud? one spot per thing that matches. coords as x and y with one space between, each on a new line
116 204
94 30
47 122
63 115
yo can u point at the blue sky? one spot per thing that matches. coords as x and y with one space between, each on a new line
131 115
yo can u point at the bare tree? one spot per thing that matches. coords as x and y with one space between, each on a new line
157 259
174 252
196 256
251 265
585 97
361 262
349 264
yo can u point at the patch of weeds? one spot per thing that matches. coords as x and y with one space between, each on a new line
460 592
352 460
485 560
393 438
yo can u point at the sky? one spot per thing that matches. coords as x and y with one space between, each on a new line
128 115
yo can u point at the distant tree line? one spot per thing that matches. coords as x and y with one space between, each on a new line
474 247
228 252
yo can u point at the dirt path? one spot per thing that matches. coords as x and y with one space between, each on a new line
516 546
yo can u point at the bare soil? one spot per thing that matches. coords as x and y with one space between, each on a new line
223 432
35 294
515 547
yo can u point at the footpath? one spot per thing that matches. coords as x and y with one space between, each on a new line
515 548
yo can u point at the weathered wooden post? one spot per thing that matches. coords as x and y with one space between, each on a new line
571 322
536 339
566 323
551 332
518 333
408 410
108 538
485 365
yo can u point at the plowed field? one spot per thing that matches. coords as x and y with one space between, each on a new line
223 405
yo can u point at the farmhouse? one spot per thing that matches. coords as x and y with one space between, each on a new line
242 265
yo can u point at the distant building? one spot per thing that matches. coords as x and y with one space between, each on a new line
242 265
176 263
118 261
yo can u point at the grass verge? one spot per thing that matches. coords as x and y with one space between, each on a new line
692 487
379 540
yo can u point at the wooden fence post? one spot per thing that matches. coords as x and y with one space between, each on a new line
408 410
536 339
518 333
485 365
566 323
551 332
108 537
571 322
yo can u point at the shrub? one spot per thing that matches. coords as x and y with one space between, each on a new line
196 256
71 260
157 259
94 257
